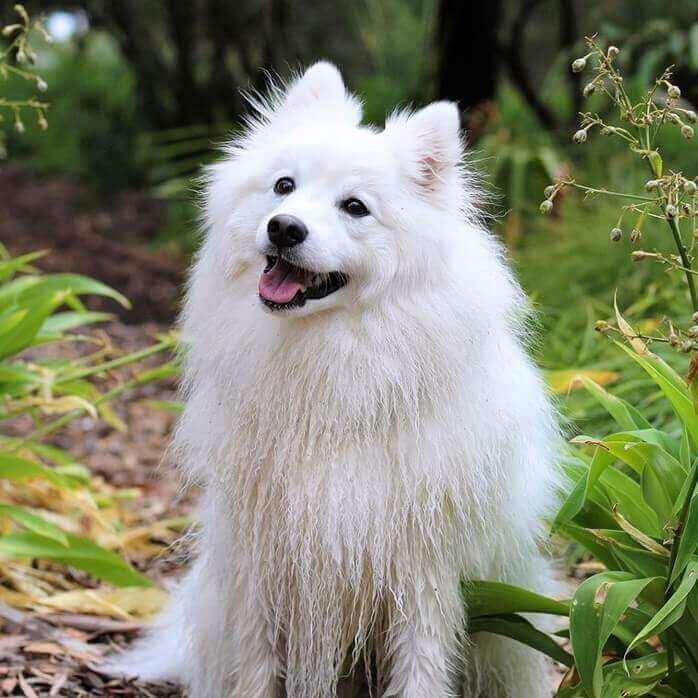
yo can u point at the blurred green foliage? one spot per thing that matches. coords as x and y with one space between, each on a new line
94 119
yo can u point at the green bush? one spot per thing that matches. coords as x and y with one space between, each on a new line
632 502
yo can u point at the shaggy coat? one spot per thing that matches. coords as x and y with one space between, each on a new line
363 454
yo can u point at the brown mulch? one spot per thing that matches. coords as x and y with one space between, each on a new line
102 240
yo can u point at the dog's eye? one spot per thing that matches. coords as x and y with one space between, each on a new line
355 208
284 186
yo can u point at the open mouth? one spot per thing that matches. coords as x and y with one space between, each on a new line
284 285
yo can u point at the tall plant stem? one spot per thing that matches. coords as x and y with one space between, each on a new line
685 261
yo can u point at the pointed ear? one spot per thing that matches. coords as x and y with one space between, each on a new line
430 143
322 86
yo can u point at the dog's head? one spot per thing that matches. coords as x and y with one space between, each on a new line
330 213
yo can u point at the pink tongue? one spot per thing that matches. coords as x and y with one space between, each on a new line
281 283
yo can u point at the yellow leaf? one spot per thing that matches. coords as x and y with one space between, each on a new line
629 333
562 382
124 604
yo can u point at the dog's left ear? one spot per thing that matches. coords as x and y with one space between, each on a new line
322 86
429 141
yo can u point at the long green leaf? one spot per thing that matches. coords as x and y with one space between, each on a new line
490 598
34 523
521 630
592 620
80 553
672 610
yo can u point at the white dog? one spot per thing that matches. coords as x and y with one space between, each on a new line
360 412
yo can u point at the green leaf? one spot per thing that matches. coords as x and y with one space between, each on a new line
72 284
689 539
69 320
489 598
672 385
10 266
80 553
593 619
14 468
672 610
34 523
521 630
625 415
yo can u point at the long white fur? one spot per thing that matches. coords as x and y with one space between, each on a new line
361 456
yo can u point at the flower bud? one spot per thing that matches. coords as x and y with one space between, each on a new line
639 255
673 92
608 130
19 126
670 211
686 209
41 85
589 89
690 187
580 136
687 132
636 236
686 346
601 326
549 191
616 234
21 56
546 206
691 117
693 332
579 65
651 184
613 51
41 121
10 28
695 316
674 118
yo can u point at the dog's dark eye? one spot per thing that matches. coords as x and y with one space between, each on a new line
355 208
284 186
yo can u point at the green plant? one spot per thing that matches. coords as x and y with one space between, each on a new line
633 498
57 521
50 506
14 59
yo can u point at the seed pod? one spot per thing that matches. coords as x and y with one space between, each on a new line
651 184
695 316
602 326
41 85
673 92
687 132
613 51
589 89
580 136
686 346
673 118
635 236
693 332
686 209
690 187
546 207
549 191
19 126
579 65
616 234
671 211
691 116
41 121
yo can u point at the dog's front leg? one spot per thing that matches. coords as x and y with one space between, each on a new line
257 662
423 641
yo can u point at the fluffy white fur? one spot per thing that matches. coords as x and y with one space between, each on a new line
361 455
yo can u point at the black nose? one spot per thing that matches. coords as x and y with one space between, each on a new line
286 231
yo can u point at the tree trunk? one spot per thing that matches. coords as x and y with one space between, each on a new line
467 51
